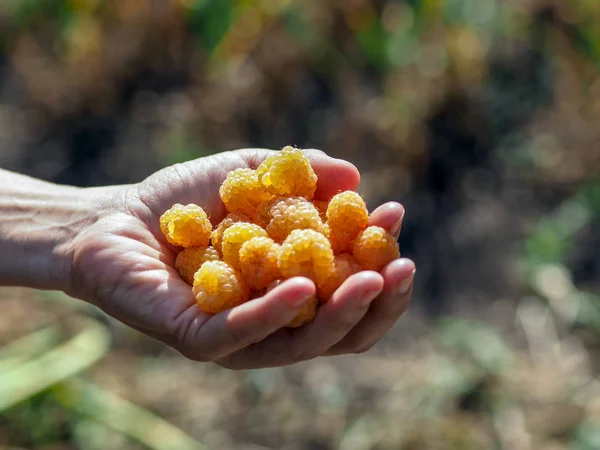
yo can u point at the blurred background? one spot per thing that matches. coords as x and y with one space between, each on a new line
480 116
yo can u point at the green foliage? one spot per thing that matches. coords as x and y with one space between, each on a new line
210 20
587 437
25 12
35 421
123 416
33 389
374 43
55 365
552 238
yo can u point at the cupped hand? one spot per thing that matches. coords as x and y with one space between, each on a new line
123 264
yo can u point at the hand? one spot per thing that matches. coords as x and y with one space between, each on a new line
123 264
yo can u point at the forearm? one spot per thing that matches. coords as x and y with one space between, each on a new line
38 221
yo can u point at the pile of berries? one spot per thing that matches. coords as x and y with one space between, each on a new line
274 231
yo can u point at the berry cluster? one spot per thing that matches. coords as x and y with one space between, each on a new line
275 230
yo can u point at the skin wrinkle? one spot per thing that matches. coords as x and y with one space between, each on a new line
195 327
167 322
106 256
150 254
33 217
131 201
126 229
169 315
45 228
172 321
116 287
236 338
140 287
150 241
150 190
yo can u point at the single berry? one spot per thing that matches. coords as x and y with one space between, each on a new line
344 266
292 213
189 260
186 226
233 239
347 216
242 193
217 234
306 253
217 287
288 173
258 262
375 248
306 313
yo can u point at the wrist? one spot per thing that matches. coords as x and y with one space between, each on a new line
38 224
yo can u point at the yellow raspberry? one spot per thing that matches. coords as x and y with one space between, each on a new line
321 206
217 234
191 259
306 253
258 261
347 215
288 173
293 213
344 266
233 239
186 226
242 193
306 314
375 248
217 287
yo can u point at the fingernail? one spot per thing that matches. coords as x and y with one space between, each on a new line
396 227
405 285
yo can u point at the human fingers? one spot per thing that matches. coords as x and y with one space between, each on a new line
334 320
384 311
246 324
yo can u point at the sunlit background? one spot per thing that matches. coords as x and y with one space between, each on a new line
481 116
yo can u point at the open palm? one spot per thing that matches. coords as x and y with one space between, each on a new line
123 264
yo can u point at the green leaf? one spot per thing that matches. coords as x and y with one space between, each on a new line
54 366
23 349
123 416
